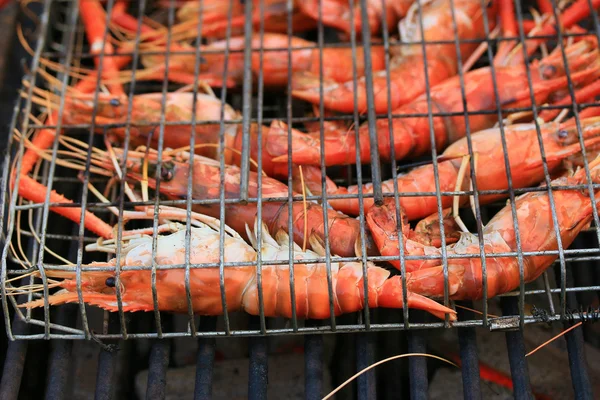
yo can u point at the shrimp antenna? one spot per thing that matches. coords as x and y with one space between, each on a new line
547 342
353 377
459 181
305 208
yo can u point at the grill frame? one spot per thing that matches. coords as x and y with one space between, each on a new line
314 341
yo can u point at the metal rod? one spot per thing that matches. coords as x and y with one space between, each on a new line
258 367
205 360
516 354
313 367
107 360
580 378
247 101
60 359
417 366
373 139
366 388
14 362
468 357
157 371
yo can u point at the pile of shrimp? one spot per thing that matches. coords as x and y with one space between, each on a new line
247 194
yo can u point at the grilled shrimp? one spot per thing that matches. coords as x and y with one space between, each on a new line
241 289
275 47
344 232
407 67
411 136
338 14
536 231
523 151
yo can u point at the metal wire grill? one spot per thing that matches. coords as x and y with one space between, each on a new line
60 43
575 278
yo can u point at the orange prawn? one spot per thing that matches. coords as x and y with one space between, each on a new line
523 151
241 287
308 217
338 14
304 57
536 231
214 14
407 69
411 135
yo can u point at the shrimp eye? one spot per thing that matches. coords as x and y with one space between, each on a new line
115 102
166 173
110 282
563 134
549 71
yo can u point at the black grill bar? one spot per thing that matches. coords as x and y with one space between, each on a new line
205 359
580 378
313 366
107 362
157 373
469 359
516 354
258 367
59 360
14 361
364 357
417 365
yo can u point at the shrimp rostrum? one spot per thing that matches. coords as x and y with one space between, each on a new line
241 287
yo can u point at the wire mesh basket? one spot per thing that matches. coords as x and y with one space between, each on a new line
34 233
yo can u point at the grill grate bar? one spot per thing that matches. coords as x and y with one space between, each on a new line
59 360
14 361
469 359
365 357
107 360
157 372
575 347
60 357
258 366
313 366
205 359
417 366
516 354
246 148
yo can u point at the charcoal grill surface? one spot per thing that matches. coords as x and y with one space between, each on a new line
575 280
